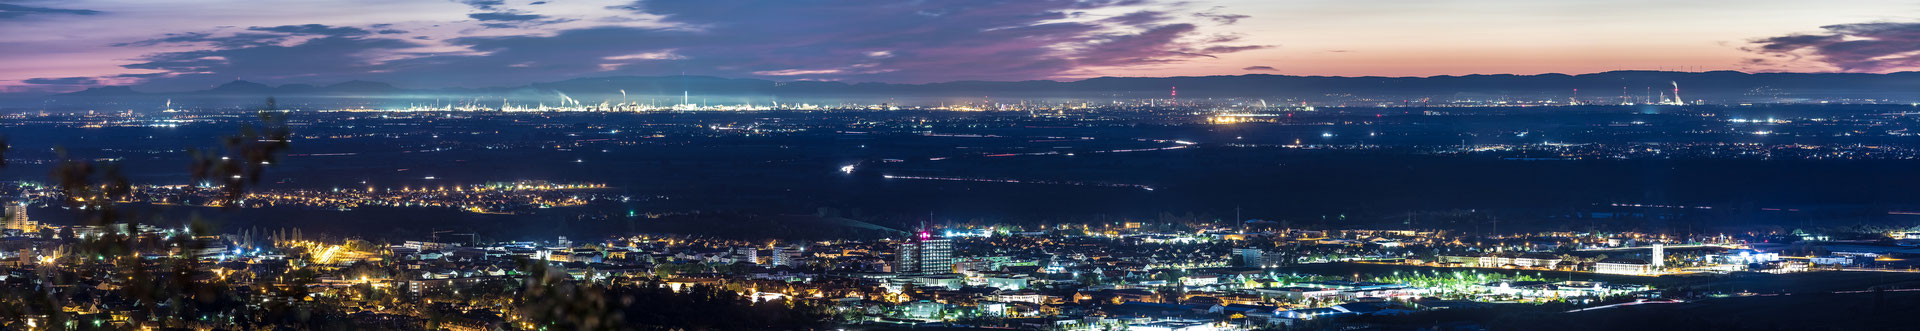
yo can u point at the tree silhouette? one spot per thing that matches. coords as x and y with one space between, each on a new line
242 158
162 290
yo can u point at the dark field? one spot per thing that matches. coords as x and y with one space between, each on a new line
1379 168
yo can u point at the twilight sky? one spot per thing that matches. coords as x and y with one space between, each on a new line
174 45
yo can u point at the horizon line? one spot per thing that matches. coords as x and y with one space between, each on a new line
528 84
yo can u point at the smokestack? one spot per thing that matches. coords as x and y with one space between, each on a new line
1676 95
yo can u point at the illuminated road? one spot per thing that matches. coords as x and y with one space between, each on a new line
1635 303
1651 247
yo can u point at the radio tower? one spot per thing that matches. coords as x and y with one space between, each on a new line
1174 94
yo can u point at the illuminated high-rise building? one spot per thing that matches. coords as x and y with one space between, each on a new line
924 255
748 254
789 256
17 219
1659 256
1250 257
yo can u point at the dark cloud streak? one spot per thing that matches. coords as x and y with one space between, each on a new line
314 29
62 81
484 4
1859 47
1224 19
503 16
12 11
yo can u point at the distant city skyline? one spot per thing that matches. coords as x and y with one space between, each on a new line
63 46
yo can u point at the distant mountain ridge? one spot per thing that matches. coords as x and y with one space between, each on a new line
1632 84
